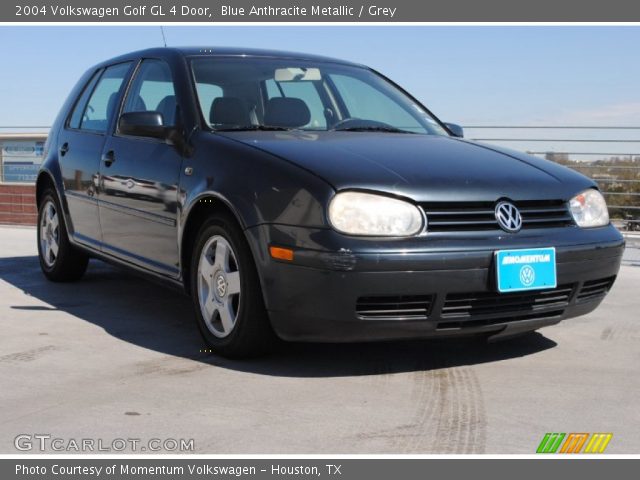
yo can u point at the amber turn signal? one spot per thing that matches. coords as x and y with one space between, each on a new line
280 253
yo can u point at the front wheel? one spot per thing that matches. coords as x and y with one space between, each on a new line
59 260
226 292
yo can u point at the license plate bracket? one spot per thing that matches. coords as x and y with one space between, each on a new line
526 269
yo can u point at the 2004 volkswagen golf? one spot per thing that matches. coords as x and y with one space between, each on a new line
312 199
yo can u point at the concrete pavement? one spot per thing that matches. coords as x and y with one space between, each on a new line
114 356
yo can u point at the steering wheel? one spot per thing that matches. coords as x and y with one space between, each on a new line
354 122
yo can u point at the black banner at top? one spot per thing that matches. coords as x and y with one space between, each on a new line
355 11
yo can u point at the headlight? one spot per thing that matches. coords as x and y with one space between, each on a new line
358 213
589 209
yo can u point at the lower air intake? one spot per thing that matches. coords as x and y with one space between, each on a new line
464 310
402 307
595 289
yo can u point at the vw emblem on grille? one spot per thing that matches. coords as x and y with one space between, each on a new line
527 275
508 217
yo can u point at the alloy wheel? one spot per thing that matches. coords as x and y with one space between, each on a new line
219 286
49 234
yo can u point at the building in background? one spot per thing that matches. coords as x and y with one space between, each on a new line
20 157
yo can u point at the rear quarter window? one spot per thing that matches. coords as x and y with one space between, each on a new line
81 103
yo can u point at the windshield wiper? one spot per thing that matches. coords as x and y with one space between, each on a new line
246 128
372 129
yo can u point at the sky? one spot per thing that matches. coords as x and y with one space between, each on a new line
471 75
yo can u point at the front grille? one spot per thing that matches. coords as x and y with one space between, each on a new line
402 307
595 289
486 308
480 216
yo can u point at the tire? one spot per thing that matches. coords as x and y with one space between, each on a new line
59 260
226 292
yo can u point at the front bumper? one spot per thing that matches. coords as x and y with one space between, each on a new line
322 295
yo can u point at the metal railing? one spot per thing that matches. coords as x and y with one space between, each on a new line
605 153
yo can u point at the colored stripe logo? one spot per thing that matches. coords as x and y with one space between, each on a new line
598 443
574 443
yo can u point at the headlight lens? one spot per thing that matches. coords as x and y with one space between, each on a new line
589 209
359 213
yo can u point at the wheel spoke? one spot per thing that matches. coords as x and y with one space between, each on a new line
53 246
209 308
47 251
206 269
222 256
54 222
233 283
226 317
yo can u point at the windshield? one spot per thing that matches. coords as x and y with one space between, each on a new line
281 94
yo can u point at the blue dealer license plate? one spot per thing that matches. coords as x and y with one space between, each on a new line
530 269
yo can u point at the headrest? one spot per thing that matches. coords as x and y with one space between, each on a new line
167 107
139 105
111 104
286 112
229 111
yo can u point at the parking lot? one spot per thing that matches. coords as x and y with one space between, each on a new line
115 356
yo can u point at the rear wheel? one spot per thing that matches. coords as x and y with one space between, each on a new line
226 292
59 260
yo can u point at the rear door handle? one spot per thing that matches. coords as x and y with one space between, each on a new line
64 149
108 158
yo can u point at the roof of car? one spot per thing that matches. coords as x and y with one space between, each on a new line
225 51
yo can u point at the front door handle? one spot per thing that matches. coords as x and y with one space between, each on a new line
108 158
64 149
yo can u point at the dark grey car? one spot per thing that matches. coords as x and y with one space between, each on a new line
312 199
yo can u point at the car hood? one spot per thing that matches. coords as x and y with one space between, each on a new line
422 167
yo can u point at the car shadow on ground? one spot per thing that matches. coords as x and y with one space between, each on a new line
142 313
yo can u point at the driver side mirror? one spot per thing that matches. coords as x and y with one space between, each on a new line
456 130
144 124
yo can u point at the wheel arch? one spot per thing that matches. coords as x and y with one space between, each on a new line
44 181
203 207
47 179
